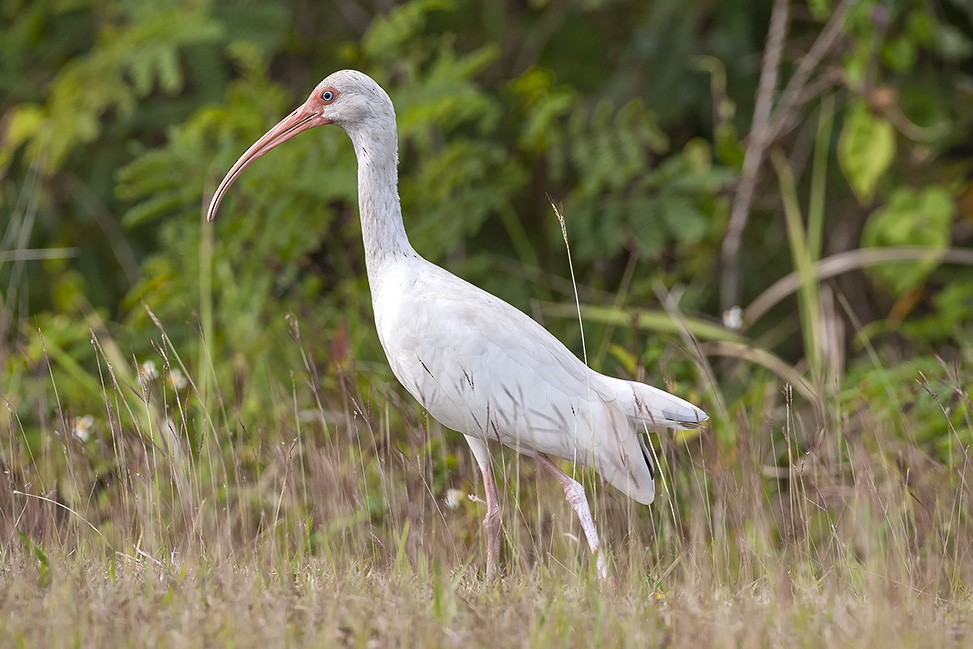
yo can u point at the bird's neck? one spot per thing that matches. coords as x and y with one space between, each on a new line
378 197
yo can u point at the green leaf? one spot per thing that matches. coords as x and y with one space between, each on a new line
820 9
388 33
900 54
910 218
865 150
24 123
727 145
43 563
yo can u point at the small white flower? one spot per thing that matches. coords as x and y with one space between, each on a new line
733 318
177 380
147 373
454 497
83 426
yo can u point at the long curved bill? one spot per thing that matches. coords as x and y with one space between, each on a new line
297 122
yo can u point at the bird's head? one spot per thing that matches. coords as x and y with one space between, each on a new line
347 98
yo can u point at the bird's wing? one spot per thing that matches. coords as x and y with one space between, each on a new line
483 367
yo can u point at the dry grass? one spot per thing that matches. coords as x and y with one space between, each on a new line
185 524
194 602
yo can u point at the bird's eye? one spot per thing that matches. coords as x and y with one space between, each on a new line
327 96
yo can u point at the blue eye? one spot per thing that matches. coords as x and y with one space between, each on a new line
327 95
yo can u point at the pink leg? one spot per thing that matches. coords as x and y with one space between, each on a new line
491 522
574 494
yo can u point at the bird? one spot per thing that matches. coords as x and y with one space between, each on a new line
475 363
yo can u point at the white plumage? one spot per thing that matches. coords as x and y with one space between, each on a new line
475 363
485 369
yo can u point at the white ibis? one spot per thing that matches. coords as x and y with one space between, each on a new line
475 363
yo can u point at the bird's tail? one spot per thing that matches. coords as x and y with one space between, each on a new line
658 409
629 464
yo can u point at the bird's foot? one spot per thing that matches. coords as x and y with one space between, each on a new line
491 572
604 576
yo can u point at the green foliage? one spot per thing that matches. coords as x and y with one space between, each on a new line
620 202
950 320
137 53
911 218
866 150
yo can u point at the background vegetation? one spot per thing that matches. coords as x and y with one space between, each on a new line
769 206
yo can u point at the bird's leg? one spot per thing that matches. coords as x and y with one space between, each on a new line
491 522
574 494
